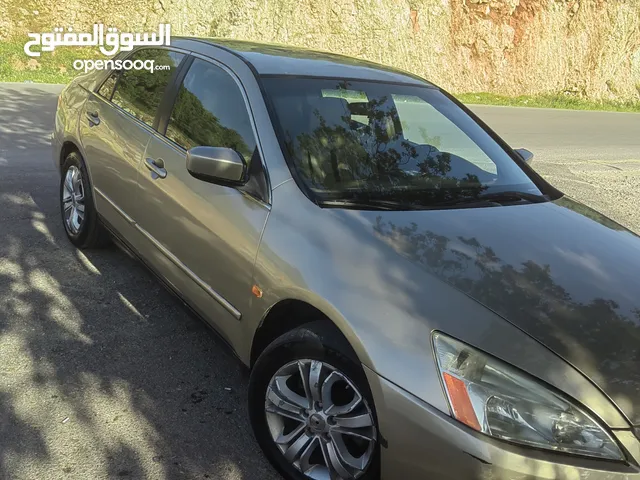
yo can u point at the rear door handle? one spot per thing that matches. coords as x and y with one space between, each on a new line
156 166
94 118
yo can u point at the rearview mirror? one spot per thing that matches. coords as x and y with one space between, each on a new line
526 155
218 165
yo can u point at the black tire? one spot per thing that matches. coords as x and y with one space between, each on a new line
91 234
314 341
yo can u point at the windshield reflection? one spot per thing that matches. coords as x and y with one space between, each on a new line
366 140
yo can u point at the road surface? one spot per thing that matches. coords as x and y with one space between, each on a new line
103 374
591 156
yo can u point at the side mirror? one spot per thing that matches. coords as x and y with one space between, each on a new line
217 165
526 155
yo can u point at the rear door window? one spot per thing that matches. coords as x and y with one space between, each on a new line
139 92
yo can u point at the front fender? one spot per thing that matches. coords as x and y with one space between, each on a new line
67 125
387 307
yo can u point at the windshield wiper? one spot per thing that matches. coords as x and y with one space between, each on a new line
495 198
513 196
483 199
368 204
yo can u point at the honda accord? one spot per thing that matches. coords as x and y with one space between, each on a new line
414 301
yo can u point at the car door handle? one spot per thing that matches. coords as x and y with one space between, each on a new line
156 166
94 118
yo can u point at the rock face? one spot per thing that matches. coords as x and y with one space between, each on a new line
588 48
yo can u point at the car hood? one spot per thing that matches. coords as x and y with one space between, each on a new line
560 271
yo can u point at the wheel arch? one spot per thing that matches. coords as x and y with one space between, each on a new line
290 313
69 145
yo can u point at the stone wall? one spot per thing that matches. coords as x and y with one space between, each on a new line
589 48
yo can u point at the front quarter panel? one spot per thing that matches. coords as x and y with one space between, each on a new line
387 307
72 99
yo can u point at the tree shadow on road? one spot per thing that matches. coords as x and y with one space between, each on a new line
103 373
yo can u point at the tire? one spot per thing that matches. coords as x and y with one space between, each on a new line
86 231
295 352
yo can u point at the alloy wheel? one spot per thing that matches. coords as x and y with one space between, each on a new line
320 421
73 200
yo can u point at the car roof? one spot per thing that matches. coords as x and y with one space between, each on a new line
274 59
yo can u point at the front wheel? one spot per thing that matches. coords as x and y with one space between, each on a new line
77 206
311 408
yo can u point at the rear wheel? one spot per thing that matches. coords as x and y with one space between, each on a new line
79 215
311 408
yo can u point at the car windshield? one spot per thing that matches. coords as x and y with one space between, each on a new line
363 140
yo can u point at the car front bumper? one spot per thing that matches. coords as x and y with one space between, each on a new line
421 443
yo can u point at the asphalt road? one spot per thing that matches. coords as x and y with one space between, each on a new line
591 156
104 375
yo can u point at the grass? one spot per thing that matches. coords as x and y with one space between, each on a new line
49 67
57 67
548 101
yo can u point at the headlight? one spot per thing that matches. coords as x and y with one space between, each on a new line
494 398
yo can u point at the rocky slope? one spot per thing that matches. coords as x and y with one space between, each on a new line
588 48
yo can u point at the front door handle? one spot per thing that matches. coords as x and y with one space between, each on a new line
156 166
94 118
